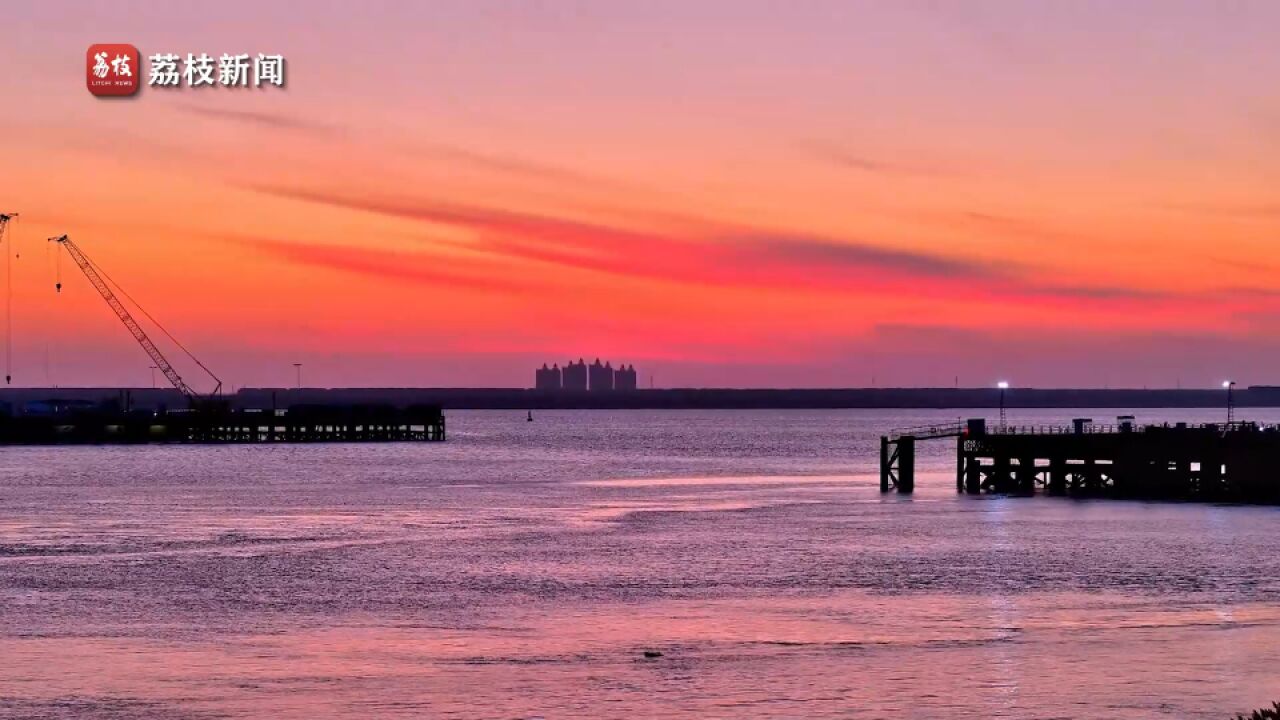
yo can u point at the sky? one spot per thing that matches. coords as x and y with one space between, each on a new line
728 193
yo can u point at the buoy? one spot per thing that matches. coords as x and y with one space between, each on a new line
530 418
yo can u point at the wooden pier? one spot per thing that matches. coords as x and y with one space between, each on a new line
298 424
1236 462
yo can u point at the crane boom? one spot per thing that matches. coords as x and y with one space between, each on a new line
99 284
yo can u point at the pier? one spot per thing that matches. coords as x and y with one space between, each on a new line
298 424
1230 462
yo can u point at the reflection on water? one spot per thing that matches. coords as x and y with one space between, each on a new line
524 569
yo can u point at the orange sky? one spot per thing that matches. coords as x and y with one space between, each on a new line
721 193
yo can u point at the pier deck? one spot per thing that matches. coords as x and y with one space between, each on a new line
1221 462
299 424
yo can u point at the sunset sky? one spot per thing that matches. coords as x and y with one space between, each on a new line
722 193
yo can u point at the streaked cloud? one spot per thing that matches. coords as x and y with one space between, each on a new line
1243 210
832 253
520 167
272 121
867 162
389 264
761 258
734 258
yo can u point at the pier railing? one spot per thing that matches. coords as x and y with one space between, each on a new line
924 432
1086 429
1110 428
956 429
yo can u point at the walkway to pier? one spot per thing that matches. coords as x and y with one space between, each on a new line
1230 462
898 453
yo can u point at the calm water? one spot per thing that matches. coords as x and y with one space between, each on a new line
522 569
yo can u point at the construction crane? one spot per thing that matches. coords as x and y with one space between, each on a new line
8 302
102 283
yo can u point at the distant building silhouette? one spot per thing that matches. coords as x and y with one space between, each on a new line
574 376
601 377
624 378
578 377
547 379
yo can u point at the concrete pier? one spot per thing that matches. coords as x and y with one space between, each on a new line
299 424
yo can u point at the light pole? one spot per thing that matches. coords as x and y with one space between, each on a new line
1003 385
1231 410
153 376
297 368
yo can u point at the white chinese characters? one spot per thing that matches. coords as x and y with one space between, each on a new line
232 71
164 70
119 66
198 71
268 69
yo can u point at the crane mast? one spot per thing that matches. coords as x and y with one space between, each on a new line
95 278
8 303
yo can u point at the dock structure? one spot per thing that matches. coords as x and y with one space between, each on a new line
298 424
1235 462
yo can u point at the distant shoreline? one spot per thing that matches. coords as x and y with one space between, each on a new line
677 398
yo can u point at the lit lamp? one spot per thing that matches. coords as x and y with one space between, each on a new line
1003 385
1229 384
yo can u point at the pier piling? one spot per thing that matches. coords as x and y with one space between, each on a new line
898 464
